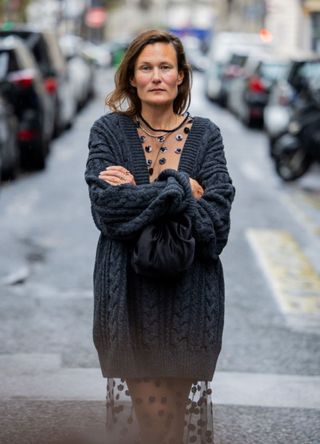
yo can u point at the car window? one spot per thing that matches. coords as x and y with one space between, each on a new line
9 62
238 59
4 61
40 52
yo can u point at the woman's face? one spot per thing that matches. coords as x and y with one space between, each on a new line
156 75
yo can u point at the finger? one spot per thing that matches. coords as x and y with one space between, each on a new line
117 168
110 174
126 176
112 181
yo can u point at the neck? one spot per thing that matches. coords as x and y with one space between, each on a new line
160 117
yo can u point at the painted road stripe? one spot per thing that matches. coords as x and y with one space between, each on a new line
306 207
295 282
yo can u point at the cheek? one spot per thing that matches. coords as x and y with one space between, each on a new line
142 81
171 79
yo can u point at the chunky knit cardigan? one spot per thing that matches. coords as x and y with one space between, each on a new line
145 327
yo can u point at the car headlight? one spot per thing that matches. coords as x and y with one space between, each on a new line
294 127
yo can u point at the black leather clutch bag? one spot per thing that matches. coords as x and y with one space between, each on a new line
164 248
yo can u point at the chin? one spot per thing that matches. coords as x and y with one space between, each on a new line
159 102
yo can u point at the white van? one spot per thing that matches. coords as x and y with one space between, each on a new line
221 48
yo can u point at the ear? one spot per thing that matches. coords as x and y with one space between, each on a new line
133 82
180 77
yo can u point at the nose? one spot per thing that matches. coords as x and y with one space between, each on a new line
156 78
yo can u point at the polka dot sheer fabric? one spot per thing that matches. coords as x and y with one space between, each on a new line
122 422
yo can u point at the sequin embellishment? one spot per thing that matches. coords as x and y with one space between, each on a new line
179 137
148 148
163 149
178 150
162 161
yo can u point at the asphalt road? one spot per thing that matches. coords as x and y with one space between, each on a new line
267 385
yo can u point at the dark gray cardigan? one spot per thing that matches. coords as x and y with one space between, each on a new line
144 327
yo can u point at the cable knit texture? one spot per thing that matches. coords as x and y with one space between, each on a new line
145 327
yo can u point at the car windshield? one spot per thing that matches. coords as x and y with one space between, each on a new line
273 71
309 70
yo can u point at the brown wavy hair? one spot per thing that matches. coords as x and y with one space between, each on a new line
125 94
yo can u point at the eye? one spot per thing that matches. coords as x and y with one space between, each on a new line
145 68
165 67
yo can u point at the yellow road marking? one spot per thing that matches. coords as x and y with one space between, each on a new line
305 206
295 282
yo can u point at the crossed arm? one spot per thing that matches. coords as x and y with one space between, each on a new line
120 208
118 175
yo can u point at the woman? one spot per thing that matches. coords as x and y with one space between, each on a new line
150 159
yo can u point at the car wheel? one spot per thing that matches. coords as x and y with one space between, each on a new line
10 171
34 158
292 165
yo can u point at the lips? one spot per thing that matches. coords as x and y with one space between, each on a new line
156 90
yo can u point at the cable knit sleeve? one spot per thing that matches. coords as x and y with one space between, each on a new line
211 215
120 212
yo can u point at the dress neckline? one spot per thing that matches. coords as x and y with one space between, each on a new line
136 152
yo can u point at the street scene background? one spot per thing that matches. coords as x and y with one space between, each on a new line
266 389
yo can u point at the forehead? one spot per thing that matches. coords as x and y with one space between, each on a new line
158 51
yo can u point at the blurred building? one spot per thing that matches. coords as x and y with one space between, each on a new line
294 24
179 15
242 15
311 19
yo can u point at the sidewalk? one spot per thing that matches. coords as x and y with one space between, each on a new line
42 402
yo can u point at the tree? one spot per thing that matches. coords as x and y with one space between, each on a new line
13 10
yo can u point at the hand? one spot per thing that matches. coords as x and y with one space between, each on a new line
196 189
117 175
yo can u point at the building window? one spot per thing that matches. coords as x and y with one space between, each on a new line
315 24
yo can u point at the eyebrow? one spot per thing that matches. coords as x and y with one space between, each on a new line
144 62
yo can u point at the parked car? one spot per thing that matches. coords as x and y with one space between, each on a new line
52 64
21 83
232 70
9 151
220 49
285 92
81 70
249 93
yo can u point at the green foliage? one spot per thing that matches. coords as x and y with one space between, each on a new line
13 11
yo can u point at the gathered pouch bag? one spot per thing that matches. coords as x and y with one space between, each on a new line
164 248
